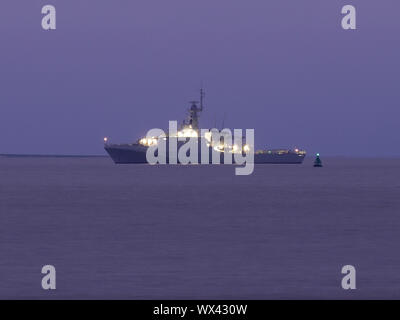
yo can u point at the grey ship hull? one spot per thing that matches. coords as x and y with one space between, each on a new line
136 153
127 153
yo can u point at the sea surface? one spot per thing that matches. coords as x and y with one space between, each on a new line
191 232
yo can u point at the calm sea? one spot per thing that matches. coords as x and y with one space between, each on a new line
138 231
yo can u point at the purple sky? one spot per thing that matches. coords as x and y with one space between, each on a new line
118 68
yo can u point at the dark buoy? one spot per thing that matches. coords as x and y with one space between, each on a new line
317 162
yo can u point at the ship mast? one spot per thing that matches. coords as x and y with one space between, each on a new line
202 94
195 110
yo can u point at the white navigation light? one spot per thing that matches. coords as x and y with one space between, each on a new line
187 133
246 148
105 139
208 136
148 141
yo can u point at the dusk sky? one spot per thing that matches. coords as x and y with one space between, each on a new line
118 68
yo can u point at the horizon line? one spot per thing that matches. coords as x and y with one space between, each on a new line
49 155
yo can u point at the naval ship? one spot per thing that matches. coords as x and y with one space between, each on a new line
136 152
